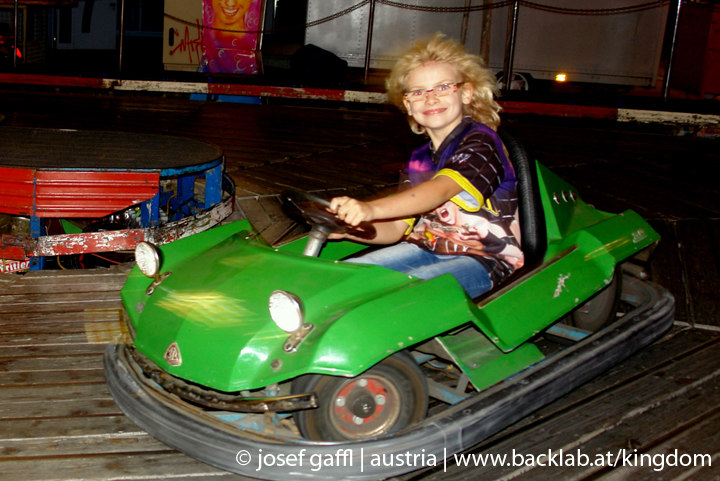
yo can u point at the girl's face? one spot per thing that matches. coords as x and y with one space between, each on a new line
230 12
439 115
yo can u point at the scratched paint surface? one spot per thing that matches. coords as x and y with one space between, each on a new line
17 248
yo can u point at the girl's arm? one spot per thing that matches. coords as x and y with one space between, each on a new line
386 232
416 200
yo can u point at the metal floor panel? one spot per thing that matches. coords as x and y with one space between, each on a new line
93 150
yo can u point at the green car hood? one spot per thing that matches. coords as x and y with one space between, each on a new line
214 307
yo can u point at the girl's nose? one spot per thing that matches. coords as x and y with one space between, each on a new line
431 98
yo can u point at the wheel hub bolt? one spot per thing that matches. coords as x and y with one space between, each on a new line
363 407
340 402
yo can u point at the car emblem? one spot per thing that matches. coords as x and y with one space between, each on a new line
172 355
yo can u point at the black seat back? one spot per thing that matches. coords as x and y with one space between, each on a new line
533 234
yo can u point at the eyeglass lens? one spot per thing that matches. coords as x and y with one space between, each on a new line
439 91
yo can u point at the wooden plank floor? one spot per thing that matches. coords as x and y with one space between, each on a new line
663 399
57 418
58 422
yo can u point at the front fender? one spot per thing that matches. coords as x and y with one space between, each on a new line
379 328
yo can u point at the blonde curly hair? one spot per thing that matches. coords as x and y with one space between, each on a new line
439 48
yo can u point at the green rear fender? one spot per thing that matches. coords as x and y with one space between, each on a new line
580 265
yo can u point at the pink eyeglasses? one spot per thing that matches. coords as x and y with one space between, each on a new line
439 90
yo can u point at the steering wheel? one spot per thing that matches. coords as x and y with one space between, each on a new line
323 222
314 210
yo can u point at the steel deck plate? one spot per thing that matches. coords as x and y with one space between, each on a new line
94 150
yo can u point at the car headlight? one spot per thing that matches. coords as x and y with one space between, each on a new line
147 259
286 311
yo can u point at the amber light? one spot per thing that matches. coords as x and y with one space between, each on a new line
561 77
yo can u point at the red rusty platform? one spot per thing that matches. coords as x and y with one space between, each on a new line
59 174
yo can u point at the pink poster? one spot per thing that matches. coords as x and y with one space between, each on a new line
228 46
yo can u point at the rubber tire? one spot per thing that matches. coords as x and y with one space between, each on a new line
399 371
600 310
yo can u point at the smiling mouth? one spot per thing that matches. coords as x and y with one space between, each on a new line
230 13
434 111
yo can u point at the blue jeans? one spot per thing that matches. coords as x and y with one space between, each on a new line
414 260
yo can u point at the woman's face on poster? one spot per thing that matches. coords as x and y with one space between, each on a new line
231 12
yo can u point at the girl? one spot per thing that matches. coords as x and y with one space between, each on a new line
456 211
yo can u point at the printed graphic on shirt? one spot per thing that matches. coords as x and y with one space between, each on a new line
449 230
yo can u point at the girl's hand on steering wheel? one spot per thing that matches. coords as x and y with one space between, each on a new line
351 211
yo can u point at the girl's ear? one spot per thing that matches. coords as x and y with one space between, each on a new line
467 93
